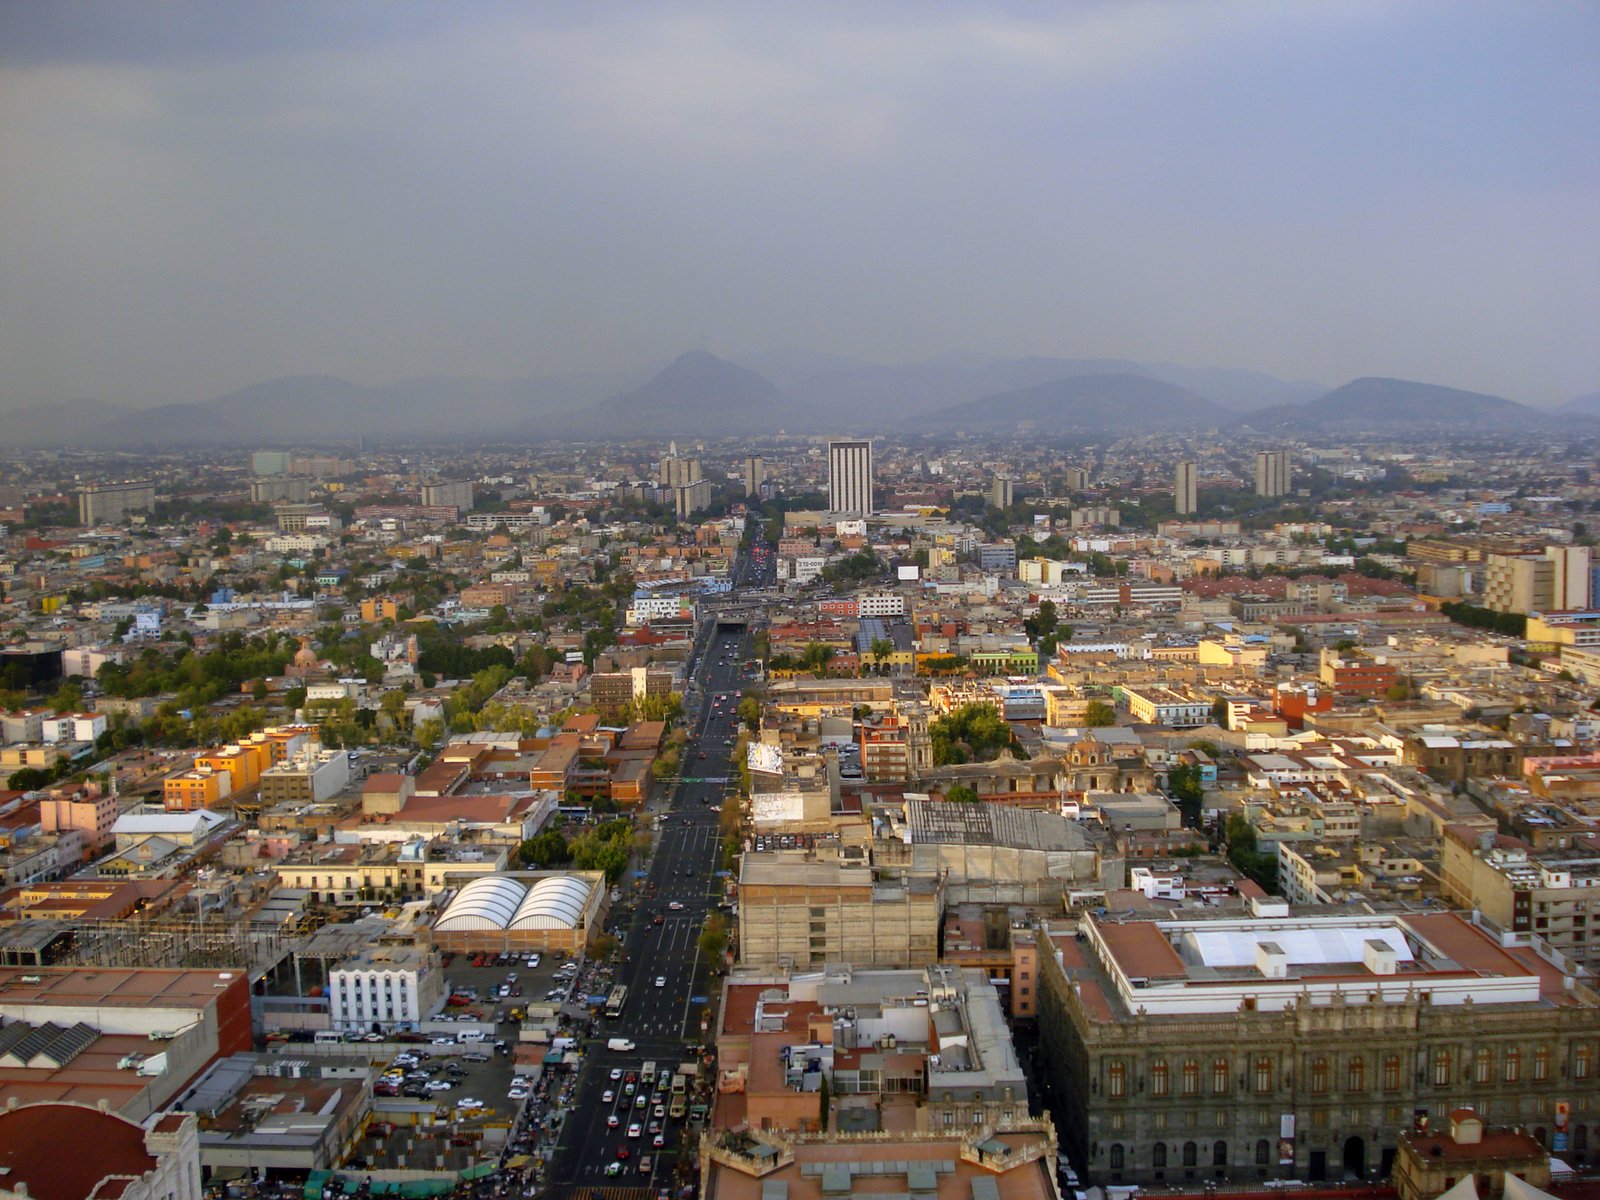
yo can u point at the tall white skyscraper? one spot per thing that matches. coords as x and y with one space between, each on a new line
1185 489
850 478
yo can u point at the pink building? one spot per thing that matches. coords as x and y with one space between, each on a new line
87 810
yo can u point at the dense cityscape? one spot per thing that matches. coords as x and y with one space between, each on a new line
688 819
793 601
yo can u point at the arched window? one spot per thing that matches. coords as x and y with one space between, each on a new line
1191 1077
1355 1074
1117 1080
1220 1077
1190 1154
1513 1065
1158 1155
1263 1074
1219 1154
1160 1079
1482 1065
1441 1068
1391 1073
1116 1157
1263 1152
1319 1074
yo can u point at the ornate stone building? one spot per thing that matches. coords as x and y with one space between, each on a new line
1299 1047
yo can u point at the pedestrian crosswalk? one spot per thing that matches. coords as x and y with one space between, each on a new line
583 1192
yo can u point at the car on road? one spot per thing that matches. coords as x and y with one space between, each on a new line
616 1074
469 1102
438 1085
613 1121
623 1152
657 919
674 906
607 1096
635 1130
661 981
614 1168
659 1140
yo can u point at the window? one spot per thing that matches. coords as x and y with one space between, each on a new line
1263 1152
1263 1075
1220 1077
1541 1064
1355 1074
1441 1068
1191 1077
1116 1157
1160 1081
1513 1065
1319 1074
1391 1073
1190 1154
1158 1156
1117 1080
1482 1065
1581 1059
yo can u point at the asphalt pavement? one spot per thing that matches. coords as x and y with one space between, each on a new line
669 986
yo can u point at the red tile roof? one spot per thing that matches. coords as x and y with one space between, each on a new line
34 1138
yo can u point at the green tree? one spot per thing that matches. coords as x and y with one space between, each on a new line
713 941
1097 714
29 779
1242 853
750 713
962 794
972 733
1183 781
548 849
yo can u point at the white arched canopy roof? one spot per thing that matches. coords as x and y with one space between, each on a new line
555 902
487 903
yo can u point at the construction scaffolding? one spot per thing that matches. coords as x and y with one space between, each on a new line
175 942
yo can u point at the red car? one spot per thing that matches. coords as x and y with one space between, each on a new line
622 1153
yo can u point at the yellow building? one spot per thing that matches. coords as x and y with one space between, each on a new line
243 764
1214 652
380 608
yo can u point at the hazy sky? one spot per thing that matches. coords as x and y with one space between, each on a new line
197 197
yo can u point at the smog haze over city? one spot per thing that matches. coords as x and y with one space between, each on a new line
201 197
645 601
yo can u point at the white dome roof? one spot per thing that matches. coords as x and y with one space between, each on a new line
555 902
486 903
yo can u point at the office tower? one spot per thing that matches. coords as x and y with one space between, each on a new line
1186 490
1076 479
1272 473
1572 577
1003 492
678 472
850 478
1515 583
455 494
755 474
269 462
107 503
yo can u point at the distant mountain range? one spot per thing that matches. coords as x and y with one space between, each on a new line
795 390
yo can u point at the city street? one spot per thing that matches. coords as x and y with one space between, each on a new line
669 986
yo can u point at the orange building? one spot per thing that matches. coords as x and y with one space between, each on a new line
195 790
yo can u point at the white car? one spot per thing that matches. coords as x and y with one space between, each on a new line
635 1130
675 906
469 1102
607 1096
661 981
438 1085
616 1074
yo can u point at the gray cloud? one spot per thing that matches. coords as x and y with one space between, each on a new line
196 197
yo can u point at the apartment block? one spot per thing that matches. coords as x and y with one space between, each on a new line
1273 475
1515 583
108 503
1185 489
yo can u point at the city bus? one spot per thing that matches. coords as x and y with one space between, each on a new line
616 1001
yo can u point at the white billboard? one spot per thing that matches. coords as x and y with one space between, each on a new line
910 574
759 756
